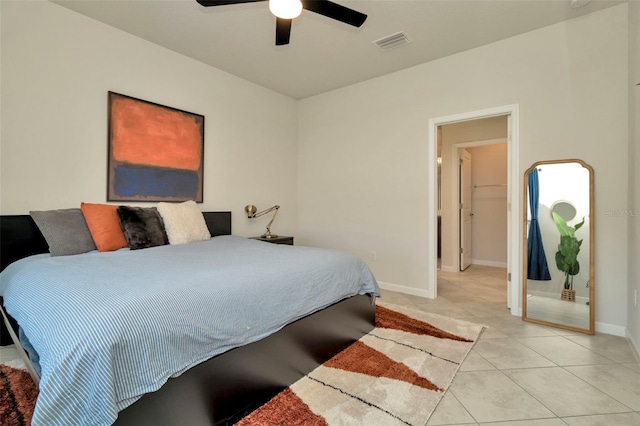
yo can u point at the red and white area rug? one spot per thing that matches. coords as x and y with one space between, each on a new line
395 375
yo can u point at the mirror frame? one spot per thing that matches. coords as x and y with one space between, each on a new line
592 283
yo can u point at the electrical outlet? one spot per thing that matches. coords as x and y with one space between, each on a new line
373 255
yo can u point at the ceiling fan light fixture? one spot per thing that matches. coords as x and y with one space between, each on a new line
285 9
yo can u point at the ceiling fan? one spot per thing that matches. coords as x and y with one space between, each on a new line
286 10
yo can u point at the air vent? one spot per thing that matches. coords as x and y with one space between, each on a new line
391 41
578 3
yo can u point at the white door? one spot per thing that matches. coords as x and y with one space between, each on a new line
465 209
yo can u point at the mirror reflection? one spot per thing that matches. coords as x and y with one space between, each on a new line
558 269
565 209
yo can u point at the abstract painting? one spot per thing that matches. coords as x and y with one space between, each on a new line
156 153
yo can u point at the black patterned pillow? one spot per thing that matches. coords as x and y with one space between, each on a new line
142 227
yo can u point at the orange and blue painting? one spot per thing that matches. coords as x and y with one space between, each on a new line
156 153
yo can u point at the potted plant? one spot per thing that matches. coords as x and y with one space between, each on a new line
567 254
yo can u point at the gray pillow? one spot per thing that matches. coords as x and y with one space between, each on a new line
65 230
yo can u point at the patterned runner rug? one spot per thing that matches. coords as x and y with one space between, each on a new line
394 375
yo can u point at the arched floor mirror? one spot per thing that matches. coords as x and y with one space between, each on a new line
558 281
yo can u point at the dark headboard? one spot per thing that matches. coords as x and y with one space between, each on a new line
20 237
219 223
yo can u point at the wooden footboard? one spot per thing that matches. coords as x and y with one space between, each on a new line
227 387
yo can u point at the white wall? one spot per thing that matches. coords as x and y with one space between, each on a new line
363 149
57 67
633 317
489 205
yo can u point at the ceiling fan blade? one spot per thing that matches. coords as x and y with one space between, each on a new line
208 3
335 11
283 31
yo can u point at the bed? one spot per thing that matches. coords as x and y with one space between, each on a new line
213 386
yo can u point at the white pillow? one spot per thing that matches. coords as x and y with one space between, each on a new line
183 222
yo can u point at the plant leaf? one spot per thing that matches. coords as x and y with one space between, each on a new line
575 270
567 255
562 226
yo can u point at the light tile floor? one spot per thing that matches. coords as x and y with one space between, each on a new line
9 356
520 373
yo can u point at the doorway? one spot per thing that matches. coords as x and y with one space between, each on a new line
450 192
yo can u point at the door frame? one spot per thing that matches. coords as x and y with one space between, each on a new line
514 248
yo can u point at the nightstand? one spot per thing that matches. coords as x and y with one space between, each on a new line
278 240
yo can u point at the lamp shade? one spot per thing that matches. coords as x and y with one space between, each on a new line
285 9
250 209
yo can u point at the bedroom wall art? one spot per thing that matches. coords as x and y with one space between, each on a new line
156 153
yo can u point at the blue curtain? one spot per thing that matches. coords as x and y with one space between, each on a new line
537 268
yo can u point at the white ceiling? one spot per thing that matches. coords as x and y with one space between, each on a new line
325 54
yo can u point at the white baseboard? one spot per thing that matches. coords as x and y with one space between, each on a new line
616 330
489 263
404 289
476 262
634 345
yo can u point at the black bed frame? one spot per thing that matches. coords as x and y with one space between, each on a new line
227 387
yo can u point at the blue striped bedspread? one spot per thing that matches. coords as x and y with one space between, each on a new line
110 327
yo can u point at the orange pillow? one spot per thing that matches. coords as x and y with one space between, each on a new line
104 225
